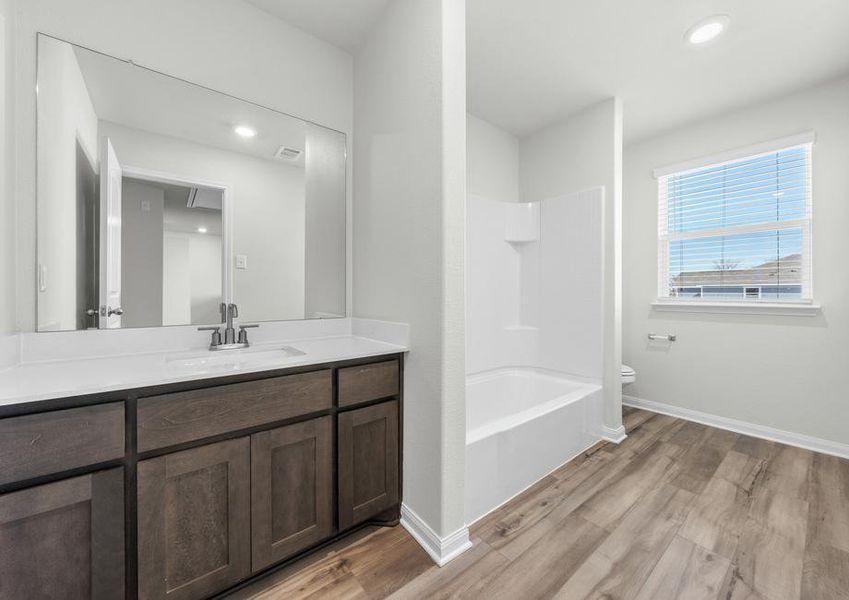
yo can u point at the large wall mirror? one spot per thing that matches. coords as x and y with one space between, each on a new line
159 199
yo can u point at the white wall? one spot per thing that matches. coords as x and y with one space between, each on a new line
232 47
492 161
494 337
7 189
205 277
66 117
409 180
578 153
141 255
176 279
782 372
267 200
325 268
191 287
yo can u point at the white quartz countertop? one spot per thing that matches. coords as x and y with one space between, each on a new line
36 381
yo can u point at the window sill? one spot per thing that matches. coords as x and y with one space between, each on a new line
790 309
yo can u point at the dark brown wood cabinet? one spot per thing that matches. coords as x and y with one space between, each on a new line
169 419
64 539
55 441
189 490
291 490
368 462
194 521
363 383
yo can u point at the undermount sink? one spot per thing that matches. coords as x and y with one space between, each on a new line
231 360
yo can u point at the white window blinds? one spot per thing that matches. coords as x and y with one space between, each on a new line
737 230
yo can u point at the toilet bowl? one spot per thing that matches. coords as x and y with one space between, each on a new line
628 375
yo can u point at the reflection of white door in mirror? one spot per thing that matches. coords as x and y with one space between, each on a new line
111 177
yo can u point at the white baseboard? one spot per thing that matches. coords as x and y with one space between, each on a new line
759 431
441 550
615 436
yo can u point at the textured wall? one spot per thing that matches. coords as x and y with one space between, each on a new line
409 192
782 372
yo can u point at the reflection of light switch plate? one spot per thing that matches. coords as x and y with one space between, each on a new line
42 278
145 205
241 261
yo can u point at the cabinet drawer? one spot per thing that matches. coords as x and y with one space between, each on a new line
368 382
187 416
51 442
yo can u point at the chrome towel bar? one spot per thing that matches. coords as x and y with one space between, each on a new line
665 338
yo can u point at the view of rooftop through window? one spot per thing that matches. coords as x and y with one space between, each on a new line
738 230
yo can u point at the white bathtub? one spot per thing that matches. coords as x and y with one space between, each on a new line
521 424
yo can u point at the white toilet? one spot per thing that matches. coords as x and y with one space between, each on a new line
629 375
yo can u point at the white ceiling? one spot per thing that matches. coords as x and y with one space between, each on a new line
531 62
343 23
535 61
145 100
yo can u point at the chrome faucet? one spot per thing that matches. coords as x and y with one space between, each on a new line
229 341
232 312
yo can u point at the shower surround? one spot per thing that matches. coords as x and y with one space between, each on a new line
534 340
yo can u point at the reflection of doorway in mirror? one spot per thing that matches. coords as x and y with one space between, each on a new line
87 240
172 251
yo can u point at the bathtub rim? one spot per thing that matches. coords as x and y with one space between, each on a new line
485 375
585 388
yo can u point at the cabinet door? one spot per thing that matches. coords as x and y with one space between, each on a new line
291 489
194 521
64 539
368 462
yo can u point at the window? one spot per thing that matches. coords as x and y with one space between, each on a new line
739 229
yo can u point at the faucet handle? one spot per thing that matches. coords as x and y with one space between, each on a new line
234 310
216 335
243 335
222 309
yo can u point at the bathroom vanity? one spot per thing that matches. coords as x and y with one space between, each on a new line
188 489
135 461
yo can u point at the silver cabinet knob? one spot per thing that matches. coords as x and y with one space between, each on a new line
91 312
115 311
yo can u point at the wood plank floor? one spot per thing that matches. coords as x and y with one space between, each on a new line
678 510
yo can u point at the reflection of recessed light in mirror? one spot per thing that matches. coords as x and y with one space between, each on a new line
245 131
201 229
707 29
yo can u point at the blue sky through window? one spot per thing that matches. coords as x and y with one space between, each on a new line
739 228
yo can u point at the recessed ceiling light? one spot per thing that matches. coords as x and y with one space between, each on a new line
245 131
201 229
707 29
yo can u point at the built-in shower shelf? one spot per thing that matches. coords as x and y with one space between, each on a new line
522 223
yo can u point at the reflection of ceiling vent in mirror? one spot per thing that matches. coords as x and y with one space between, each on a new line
286 153
204 198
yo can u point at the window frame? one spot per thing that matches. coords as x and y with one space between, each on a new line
803 306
